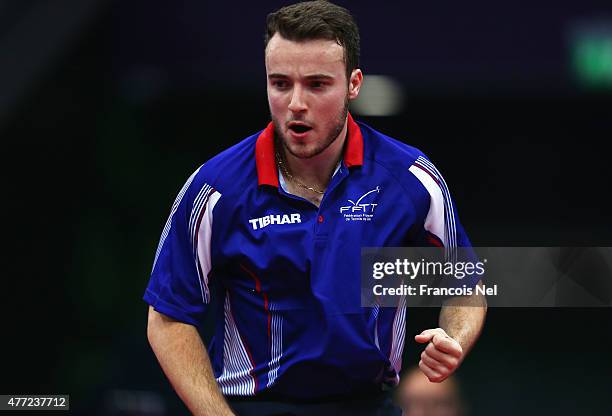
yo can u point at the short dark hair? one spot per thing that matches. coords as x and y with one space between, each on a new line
317 19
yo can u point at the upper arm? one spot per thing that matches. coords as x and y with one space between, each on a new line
178 286
440 225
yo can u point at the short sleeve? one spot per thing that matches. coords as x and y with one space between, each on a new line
441 226
178 286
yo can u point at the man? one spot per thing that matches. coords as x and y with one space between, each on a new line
261 229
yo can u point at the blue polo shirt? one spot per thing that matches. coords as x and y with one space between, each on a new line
286 274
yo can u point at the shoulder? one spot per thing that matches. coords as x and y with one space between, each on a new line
232 163
386 150
406 163
230 167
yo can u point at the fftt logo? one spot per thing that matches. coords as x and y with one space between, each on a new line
358 207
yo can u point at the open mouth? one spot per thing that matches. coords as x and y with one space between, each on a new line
299 128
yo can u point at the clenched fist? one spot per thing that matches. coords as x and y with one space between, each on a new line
442 355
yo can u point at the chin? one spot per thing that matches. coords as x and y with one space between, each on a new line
301 152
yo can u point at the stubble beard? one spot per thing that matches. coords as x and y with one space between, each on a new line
299 151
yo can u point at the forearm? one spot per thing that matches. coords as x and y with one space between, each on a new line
462 318
183 357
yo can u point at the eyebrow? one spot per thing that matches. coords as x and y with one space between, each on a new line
308 77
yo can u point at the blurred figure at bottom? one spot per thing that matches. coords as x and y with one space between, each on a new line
417 396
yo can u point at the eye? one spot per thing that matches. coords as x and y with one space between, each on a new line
317 84
280 84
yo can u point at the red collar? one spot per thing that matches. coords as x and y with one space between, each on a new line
267 173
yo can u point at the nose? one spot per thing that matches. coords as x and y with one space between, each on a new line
297 103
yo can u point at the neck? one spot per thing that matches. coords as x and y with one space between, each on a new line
317 170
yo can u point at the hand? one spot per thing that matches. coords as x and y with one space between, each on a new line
442 355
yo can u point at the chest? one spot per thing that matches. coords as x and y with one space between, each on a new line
295 246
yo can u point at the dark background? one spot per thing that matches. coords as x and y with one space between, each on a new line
106 108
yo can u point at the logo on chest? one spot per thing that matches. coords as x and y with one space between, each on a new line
362 209
262 222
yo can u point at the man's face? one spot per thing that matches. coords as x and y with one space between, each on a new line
308 93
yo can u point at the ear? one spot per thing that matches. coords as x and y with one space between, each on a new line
355 83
